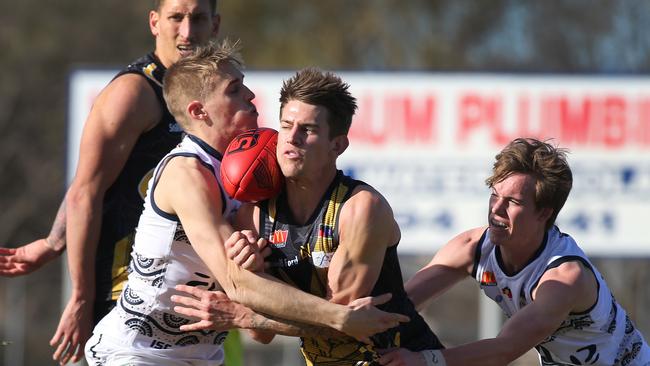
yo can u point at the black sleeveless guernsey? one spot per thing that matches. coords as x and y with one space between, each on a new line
124 199
301 255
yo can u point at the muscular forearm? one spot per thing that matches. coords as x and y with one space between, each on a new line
289 328
267 295
487 352
56 238
430 282
83 218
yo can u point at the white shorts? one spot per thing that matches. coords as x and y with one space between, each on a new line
101 350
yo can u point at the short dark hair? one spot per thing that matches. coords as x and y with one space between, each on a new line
545 163
213 5
316 87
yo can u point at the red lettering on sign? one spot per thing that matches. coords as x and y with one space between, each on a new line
364 128
614 122
643 123
403 118
610 121
412 120
481 112
573 121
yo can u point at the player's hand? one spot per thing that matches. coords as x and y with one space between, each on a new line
25 259
247 251
214 310
365 319
401 357
73 331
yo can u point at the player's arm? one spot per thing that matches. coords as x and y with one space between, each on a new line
199 209
32 256
452 263
248 255
124 110
215 311
367 229
568 288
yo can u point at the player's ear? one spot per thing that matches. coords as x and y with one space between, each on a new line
196 111
340 143
153 22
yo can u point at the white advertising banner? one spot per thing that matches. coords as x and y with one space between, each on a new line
427 142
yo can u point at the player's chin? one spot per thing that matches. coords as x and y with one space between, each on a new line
248 121
289 169
498 235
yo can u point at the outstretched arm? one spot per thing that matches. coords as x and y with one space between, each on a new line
452 263
30 257
215 311
562 290
124 110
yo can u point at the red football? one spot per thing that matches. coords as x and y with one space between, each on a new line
249 168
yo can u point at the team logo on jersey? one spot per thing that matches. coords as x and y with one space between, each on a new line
325 231
506 291
149 70
321 259
488 279
278 238
175 127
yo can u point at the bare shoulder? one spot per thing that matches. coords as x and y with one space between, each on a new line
574 280
130 100
185 180
467 239
459 252
122 112
367 210
133 86
570 273
365 198
183 170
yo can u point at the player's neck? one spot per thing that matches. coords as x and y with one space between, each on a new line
217 141
517 255
304 194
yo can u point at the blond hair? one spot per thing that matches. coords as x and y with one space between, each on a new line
195 77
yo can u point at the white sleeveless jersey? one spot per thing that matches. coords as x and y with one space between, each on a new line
602 335
162 258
